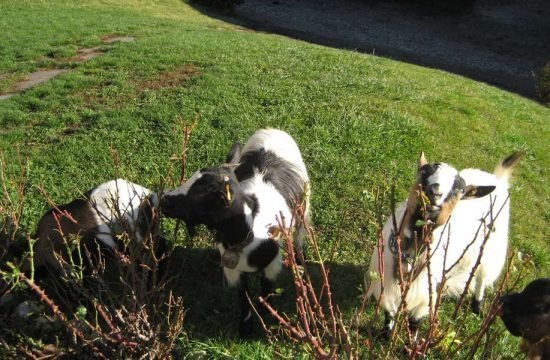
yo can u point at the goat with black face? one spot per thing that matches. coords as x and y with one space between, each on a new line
527 314
245 201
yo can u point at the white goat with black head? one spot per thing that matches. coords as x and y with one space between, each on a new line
449 220
244 201
97 218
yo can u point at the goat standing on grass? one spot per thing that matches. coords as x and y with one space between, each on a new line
527 314
462 244
244 202
104 212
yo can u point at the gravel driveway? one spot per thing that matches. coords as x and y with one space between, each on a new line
503 43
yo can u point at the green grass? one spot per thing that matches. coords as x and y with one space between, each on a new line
360 121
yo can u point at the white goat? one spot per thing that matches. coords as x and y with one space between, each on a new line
243 202
103 213
467 212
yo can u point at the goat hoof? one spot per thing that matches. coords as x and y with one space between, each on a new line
385 334
246 329
476 308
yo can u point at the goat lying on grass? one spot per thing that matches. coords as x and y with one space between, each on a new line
527 314
103 213
451 232
244 202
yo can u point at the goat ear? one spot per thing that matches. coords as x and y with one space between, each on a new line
234 154
422 160
476 192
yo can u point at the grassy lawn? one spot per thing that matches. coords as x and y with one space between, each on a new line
360 121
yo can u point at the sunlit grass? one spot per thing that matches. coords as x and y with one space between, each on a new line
361 122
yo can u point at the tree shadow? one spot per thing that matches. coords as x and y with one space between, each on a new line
501 43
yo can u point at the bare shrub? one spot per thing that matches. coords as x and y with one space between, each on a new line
103 303
319 322
451 330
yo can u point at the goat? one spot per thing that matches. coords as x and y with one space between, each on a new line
243 201
527 314
435 238
103 212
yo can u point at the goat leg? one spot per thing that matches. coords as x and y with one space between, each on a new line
246 326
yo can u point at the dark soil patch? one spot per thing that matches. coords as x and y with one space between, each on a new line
109 39
87 54
170 79
93 97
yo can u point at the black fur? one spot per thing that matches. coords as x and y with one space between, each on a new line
426 171
232 231
205 201
234 154
513 159
282 174
414 325
262 255
147 221
527 313
246 327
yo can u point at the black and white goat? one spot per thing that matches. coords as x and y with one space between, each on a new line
244 201
467 213
527 314
103 213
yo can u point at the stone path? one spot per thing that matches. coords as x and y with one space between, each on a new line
38 77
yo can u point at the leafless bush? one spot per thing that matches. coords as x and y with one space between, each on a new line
102 303
319 322
450 331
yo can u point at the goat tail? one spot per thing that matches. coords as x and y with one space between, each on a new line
504 170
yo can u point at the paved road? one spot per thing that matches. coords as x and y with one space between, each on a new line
502 42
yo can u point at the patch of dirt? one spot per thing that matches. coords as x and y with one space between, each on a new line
109 39
93 98
87 54
169 79
502 42
38 77
70 130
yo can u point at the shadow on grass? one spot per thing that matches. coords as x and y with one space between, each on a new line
500 44
213 309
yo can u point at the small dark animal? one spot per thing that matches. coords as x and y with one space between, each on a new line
527 314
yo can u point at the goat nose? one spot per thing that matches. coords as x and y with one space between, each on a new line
434 192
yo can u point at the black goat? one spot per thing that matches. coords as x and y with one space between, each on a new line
527 314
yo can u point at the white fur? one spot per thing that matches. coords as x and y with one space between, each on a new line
281 144
272 205
445 177
114 202
455 236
